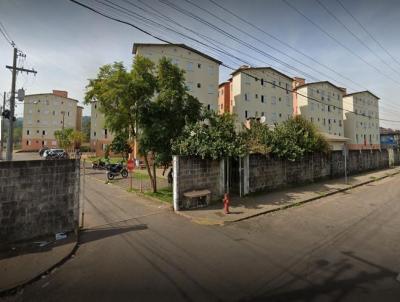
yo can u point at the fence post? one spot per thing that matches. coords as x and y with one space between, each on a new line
175 182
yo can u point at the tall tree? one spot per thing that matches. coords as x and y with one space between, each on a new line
121 94
164 119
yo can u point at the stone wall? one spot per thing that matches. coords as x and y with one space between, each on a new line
193 173
267 173
38 198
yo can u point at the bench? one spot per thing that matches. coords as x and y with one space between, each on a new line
196 199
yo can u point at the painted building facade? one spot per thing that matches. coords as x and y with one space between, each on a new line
361 120
257 92
44 114
100 136
224 97
322 104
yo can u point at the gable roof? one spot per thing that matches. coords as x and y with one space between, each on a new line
320 82
358 92
240 69
136 45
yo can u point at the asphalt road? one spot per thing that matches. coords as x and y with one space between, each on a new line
341 248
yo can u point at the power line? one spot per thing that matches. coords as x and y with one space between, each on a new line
368 32
187 13
338 42
223 64
294 49
354 35
6 35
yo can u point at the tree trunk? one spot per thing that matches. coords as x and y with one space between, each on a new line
154 174
146 160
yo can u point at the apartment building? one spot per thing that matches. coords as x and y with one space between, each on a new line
320 103
260 92
45 113
224 97
201 70
100 136
361 120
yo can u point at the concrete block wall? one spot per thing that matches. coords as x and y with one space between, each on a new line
193 173
38 198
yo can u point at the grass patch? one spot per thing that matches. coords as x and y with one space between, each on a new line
373 177
164 194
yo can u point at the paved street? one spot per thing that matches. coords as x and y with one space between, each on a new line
340 248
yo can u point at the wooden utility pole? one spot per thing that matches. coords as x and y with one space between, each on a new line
2 127
14 69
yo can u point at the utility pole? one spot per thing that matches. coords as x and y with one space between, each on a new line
14 70
2 127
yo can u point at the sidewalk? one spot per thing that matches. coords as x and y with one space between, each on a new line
22 264
262 203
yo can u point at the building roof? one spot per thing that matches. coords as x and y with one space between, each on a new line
358 92
136 45
223 83
388 131
36 94
240 69
320 82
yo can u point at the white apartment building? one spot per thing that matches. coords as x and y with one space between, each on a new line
100 136
201 70
260 92
361 120
45 113
322 104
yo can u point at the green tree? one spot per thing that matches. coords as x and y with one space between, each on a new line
120 144
76 138
86 128
64 137
295 138
214 137
121 94
164 119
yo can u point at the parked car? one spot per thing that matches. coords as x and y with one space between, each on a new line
41 151
56 154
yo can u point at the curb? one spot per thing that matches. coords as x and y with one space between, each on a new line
14 290
207 221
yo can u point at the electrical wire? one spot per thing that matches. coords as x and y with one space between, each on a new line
340 43
223 64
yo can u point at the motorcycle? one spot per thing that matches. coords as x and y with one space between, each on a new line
100 165
115 170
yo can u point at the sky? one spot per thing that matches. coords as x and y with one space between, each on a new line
67 43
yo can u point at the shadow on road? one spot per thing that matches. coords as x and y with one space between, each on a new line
101 233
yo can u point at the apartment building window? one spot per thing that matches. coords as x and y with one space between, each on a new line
189 86
256 96
68 113
329 108
280 114
199 65
262 82
324 122
37 131
329 121
274 117
198 85
38 121
209 107
273 100
94 133
280 99
273 84
312 106
175 61
246 97
95 106
210 89
44 132
27 132
357 138
340 123
287 88
189 66
54 113
262 113
312 120
262 98
245 114
210 70
38 110
105 133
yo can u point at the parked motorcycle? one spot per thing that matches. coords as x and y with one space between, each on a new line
100 165
115 170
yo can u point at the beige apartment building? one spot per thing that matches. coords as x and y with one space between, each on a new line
257 92
45 113
100 136
361 120
201 74
201 70
321 103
